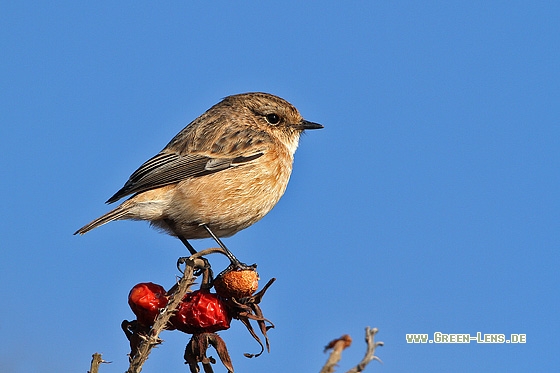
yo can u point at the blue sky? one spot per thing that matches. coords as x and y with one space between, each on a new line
428 203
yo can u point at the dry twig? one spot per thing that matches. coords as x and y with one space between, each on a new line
338 345
370 352
95 362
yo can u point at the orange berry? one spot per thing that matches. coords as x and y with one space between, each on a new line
237 283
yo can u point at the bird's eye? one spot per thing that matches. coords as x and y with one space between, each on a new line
272 118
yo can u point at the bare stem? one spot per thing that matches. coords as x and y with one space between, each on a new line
96 362
338 345
152 339
370 352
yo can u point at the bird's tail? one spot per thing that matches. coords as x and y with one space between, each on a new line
118 213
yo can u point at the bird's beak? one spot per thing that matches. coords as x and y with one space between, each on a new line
306 125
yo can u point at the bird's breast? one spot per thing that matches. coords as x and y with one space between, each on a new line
233 199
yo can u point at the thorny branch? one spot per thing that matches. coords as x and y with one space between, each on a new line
139 357
338 345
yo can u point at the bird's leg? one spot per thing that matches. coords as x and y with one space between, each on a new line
187 244
183 259
192 250
234 261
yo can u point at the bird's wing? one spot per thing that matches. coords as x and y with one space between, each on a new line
169 168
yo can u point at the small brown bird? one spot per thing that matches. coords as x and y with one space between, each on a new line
220 174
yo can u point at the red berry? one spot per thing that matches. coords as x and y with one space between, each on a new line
145 300
201 312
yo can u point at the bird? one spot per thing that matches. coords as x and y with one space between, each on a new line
220 174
